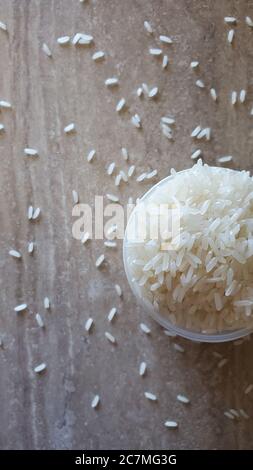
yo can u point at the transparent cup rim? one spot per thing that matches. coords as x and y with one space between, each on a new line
219 337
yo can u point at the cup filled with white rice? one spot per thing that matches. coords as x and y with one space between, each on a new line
188 253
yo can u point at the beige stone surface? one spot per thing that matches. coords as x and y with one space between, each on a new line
53 410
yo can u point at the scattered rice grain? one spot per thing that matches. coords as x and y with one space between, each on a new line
121 104
110 337
91 155
100 260
88 324
99 55
95 401
142 369
70 128
40 368
112 314
15 254
46 50
20 308
145 328
63 40
39 320
150 396
171 424
155 51
148 27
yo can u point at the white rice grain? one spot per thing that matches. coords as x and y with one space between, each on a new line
204 133
120 105
75 196
165 39
233 97
85 237
249 21
243 414
100 260
124 153
230 20
1 127
171 424
141 177
178 348
110 337
196 154
213 94
222 363
145 328
3 26
229 415
136 121
231 35
88 324
112 197
111 168
30 212
39 320
225 159
95 401
165 61
15 254
167 120
167 131
63 40
155 51
118 290
110 244
31 152
148 27
217 299
142 369
70 128
118 180
196 131
36 213
145 88
5 104
242 96
123 176
40 368
200 83
99 55
153 92
112 314
131 170
113 81
46 303
151 174
139 92
234 412
194 64
82 39
91 155
248 389
183 399
46 50
20 308
150 396
30 247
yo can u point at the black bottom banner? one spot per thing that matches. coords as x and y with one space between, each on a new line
111 459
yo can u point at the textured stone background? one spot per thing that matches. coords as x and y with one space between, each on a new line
53 410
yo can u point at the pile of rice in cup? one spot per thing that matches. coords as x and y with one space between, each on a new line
201 279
